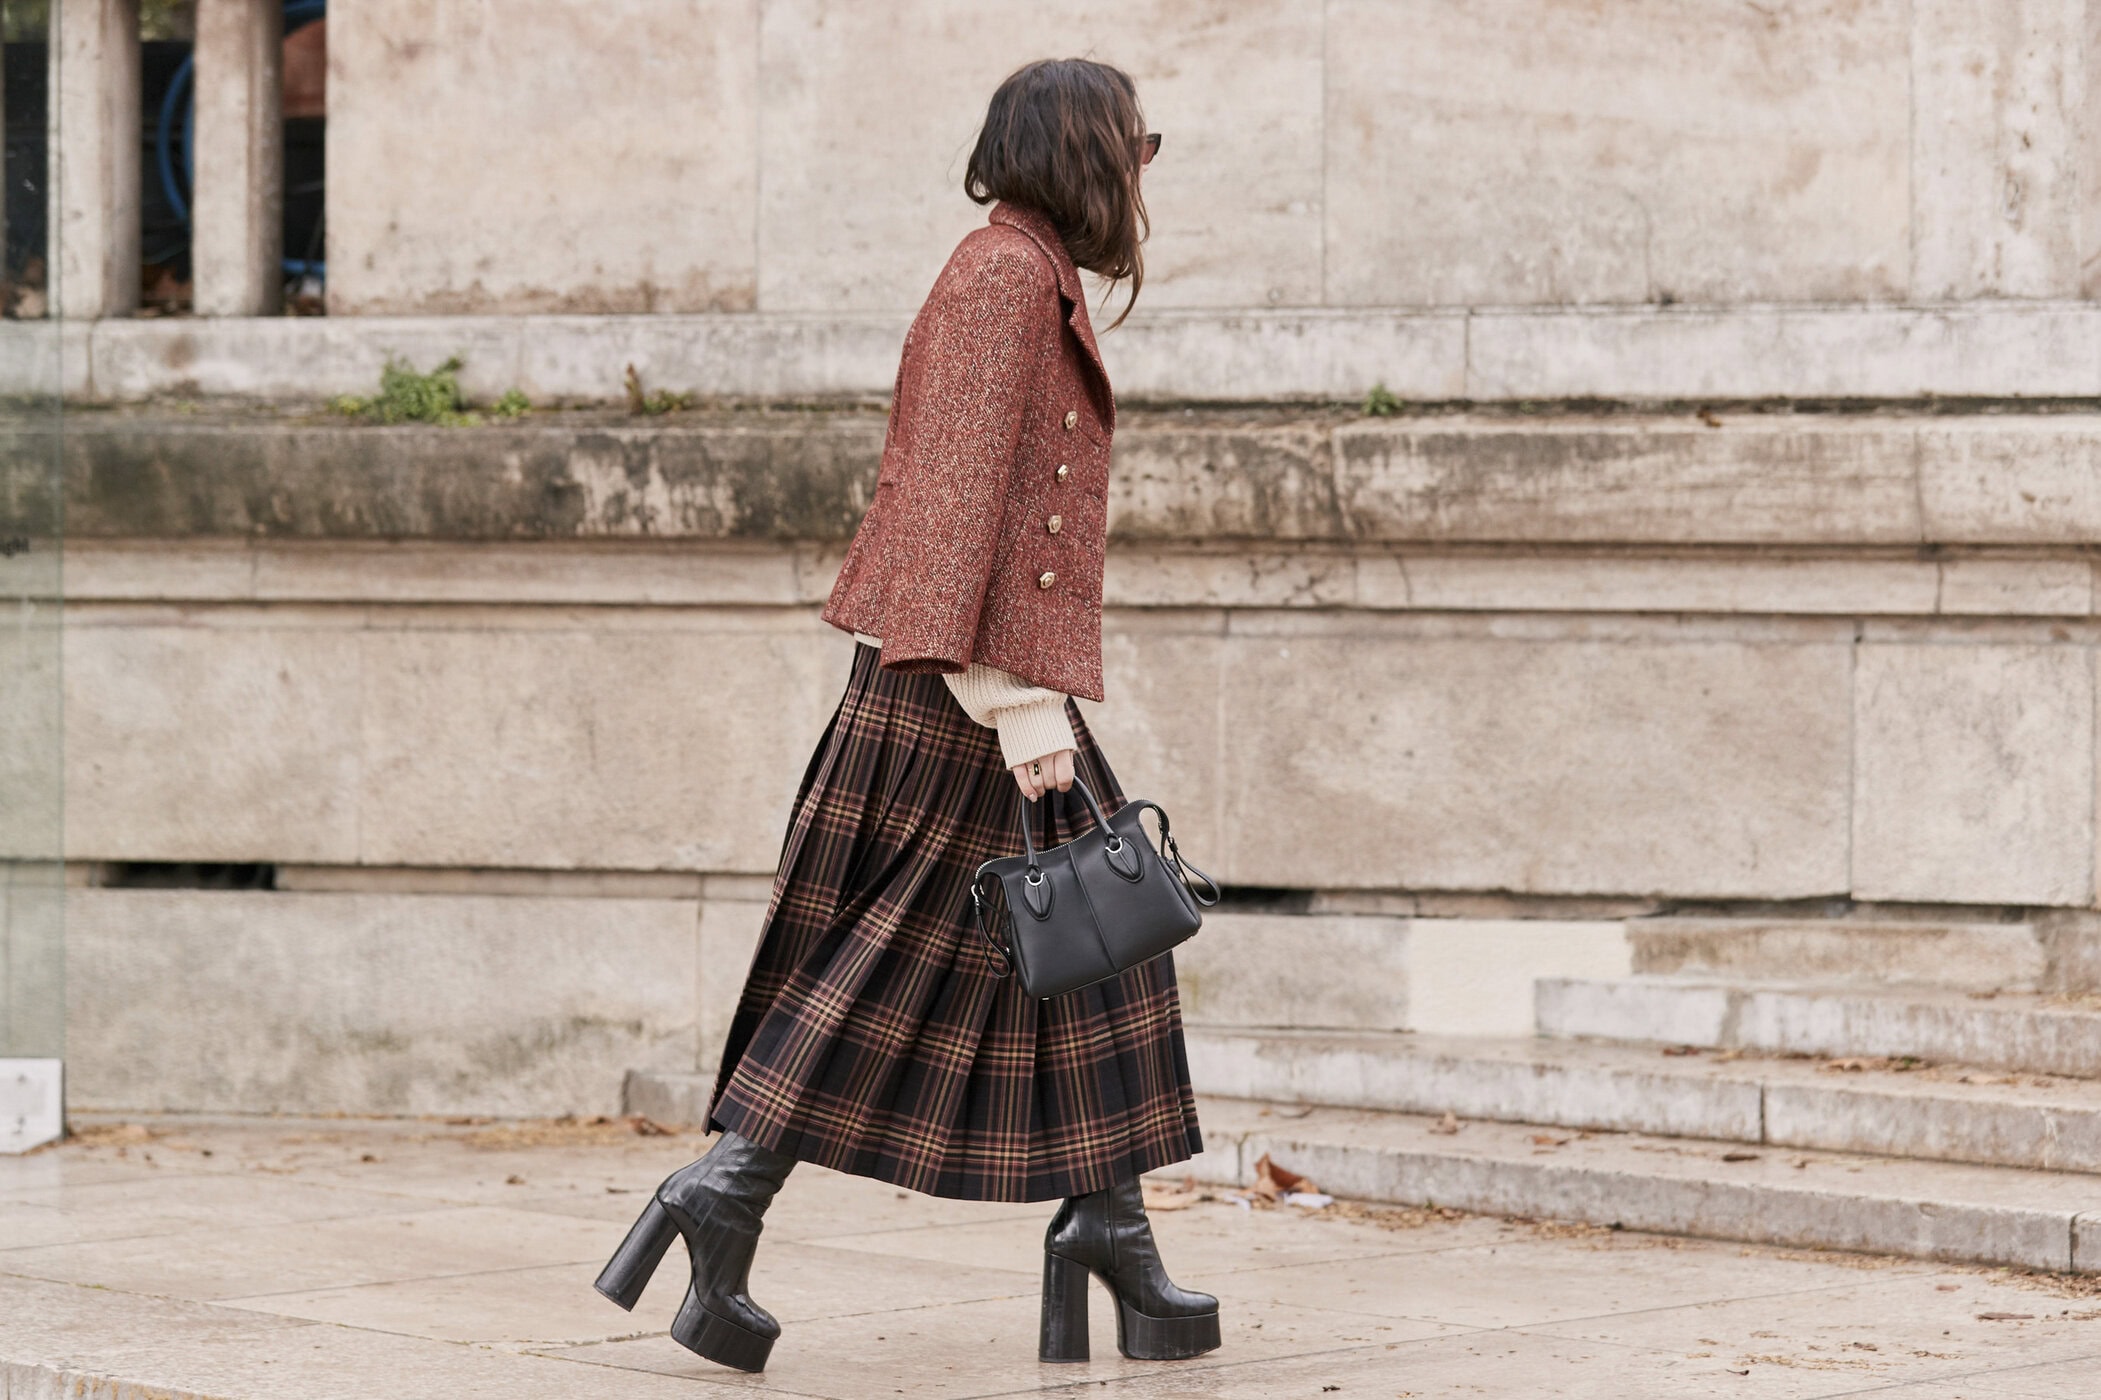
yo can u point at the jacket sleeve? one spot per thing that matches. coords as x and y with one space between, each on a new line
975 357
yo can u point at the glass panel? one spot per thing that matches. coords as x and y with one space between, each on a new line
32 883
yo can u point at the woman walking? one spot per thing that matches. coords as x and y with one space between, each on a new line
873 1035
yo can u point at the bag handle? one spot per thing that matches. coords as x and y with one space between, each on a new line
1101 822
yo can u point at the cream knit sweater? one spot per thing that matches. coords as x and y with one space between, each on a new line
1030 719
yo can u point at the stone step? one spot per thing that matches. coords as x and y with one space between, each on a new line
2025 1034
1942 1113
1718 1190
1968 957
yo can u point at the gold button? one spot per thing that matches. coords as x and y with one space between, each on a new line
1063 471
1072 419
1046 579
1054 524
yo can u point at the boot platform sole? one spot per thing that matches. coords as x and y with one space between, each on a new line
718 1339
1139 1337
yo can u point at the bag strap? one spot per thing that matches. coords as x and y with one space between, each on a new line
1002 965
1175 859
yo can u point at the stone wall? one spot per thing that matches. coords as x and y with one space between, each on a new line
1445 700
805 155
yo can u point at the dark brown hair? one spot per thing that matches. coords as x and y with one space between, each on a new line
1063 135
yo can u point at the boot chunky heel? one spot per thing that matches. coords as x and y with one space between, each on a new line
1064 1310
628 1272
1107 1234
716 1204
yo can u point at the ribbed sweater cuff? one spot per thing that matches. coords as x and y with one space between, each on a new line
1033 730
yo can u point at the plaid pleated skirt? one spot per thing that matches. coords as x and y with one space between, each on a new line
872 1035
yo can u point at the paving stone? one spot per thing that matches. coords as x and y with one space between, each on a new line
1917 1326
989 1347
888 1292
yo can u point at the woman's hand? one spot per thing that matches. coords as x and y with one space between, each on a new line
1040 775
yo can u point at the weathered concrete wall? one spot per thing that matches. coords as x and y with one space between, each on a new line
804 155
1446 698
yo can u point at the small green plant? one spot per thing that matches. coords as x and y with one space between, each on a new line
407 396
659 401
513 404
1381 402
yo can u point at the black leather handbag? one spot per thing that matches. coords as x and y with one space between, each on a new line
1081 913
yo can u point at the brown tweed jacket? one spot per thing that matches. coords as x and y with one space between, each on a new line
985 538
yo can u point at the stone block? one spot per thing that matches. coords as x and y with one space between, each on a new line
1296 970
1519 1081
1476 976
846 222
1974 774
2007 350
1159 726
33 963
2016 587
1634 153
1595 482
1997 93
214 743
300 359
1928 1210
2027 1131
1141 576
1366 755
32 771
513 194
1604 581
1285 356
724 573
2086 1242
1639 1009
633 742
729 939
1941 1028
259 1002
668 1097
2020 482
1966 957
584 359
1263 481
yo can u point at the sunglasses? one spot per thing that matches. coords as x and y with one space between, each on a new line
1152 147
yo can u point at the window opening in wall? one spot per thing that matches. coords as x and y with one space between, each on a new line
168 34
25 67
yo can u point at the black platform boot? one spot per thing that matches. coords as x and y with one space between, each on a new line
716 1203
1107 1234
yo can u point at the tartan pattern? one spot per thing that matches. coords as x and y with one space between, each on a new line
872 1036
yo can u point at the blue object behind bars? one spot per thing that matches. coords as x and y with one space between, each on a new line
181 104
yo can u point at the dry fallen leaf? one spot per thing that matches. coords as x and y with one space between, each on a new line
1273 1182
1161 1196
1549 1140
1447 1125
2005 1317
1739 1156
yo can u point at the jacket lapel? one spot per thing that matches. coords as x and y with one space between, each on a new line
1037 225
